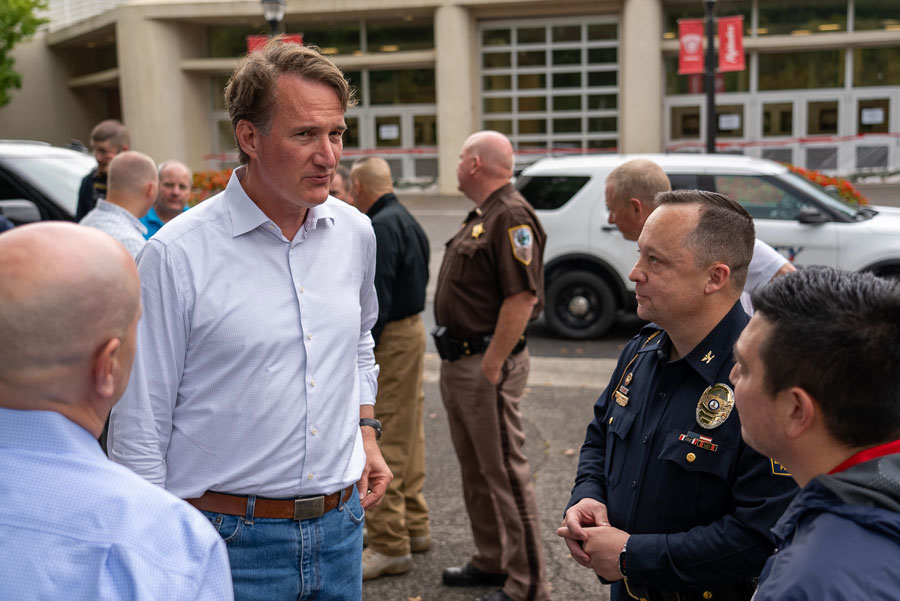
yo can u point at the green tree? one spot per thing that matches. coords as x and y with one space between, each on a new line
17 22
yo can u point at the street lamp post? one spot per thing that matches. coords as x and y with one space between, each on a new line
710 76
273 13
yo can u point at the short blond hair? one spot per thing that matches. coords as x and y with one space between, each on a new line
250 93
639 178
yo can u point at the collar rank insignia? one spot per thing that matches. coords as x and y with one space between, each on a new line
704 442
620 398
478 230
715 406
778 469
708 357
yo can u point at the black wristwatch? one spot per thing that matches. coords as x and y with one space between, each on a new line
622 559
372 423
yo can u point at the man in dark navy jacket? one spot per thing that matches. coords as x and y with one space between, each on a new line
816 381
669 503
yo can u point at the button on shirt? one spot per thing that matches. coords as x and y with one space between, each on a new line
248 343
696 516
74 525
118 223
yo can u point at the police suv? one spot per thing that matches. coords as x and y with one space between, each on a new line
587 260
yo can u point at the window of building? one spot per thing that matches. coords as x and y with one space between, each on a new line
876 66
822 117
801 70
778 119
801 17
335 38
730 121
401 86
873 115
871 14
694 9
685 122
394 36
551 83
730 81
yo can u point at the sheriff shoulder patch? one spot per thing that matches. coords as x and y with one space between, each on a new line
522 240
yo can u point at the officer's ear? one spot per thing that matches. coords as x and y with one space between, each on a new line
718 276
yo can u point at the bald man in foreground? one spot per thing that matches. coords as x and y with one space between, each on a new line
74 525
131 191
399 526
490 286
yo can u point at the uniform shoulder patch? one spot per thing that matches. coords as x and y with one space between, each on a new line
779 470
522 240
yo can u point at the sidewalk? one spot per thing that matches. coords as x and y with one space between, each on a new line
556 407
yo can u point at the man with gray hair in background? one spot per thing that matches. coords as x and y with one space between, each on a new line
254 383
133 185
74 525
631 189
175 186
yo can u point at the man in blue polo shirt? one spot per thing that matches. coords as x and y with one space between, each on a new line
175 185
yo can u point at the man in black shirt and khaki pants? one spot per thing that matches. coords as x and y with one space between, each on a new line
399 526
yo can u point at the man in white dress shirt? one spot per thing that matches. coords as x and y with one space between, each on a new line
131 191
254 382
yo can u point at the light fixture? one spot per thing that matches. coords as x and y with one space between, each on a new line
273 13
829 27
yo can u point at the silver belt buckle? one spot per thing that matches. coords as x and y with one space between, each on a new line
312 507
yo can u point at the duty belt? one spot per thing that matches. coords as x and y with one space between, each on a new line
451 349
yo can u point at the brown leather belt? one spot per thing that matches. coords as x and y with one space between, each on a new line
304 508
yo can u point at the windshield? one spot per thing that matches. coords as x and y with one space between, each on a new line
58 177
819 194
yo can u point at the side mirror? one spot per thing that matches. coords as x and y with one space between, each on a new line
20 211
812 216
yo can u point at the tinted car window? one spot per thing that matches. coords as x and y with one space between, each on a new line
684 181
763 198
550 192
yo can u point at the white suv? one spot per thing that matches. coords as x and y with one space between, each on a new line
587 260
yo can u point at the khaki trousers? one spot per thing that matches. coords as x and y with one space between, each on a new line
486 427
400 406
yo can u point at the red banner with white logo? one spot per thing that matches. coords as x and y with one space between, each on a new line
690 46
255 42
731 43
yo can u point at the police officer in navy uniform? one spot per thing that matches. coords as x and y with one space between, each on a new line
490 286
669 503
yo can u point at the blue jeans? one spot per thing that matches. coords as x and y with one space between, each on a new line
286 560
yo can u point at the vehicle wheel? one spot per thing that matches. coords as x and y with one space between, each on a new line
580 305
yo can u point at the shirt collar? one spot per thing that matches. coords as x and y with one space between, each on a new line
713 352
247 216
381 203
46 431
153 217
108 207
495 197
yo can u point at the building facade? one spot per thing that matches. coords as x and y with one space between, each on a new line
821 88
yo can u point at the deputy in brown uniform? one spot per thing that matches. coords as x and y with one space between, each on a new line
490 286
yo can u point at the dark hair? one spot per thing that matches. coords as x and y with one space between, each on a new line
724 232
112 130
835 335
250 93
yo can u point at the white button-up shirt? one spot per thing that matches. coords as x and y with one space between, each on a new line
248 343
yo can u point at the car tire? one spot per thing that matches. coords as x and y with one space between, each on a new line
580 305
